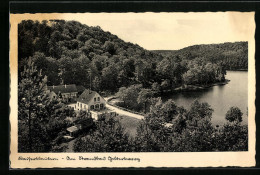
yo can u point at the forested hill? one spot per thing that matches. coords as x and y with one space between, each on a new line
69 52
59 38
234 56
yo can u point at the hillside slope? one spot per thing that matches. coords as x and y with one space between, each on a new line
234 56
69 52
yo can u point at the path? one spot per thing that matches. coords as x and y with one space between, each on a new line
70 146
123 112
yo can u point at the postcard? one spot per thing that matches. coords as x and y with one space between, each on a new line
94 90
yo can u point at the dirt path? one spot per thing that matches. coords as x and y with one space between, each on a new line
70 146
123 112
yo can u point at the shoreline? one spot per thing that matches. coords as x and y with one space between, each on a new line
238 70
188 88
196 87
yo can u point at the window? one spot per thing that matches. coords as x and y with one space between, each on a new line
85 106
101 106
98 99
80 106
92 107
96 106
95 99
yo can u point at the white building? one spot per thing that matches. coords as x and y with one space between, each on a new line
90 100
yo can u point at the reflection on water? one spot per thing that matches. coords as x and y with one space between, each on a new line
221 98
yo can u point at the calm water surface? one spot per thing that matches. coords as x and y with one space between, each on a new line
221 98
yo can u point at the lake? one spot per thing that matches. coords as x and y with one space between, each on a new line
220 98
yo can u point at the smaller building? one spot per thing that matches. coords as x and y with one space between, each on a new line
73 131
52 95
80 125
66 92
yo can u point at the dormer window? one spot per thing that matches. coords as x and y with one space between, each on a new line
98 99
95 99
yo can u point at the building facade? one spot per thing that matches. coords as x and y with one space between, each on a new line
90 100
66 92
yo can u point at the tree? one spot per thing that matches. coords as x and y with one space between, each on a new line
155 117
31 100
49 67
232 137
109 78
109 136
144 96
126 72
27 30
97 84
234 114
65 66
122 95
144 73
197 133
170 110
152 134
171 69
156 88
109 47
40 119
130 95
146 139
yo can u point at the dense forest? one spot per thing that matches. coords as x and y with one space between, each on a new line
69 52
234 56
42 124
192 131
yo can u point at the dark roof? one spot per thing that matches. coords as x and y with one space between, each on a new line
86 96
84 122
63 88
80 88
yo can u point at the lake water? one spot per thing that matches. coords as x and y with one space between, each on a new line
220 98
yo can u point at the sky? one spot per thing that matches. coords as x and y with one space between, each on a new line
172 31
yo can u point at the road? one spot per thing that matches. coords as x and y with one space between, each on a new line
123 112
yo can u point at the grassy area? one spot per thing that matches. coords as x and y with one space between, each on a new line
130 124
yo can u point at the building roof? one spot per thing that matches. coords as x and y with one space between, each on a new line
167 125
80 88
86 122
72 129
86 96
51 94
63 88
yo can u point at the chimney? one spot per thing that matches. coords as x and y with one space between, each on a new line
65 86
